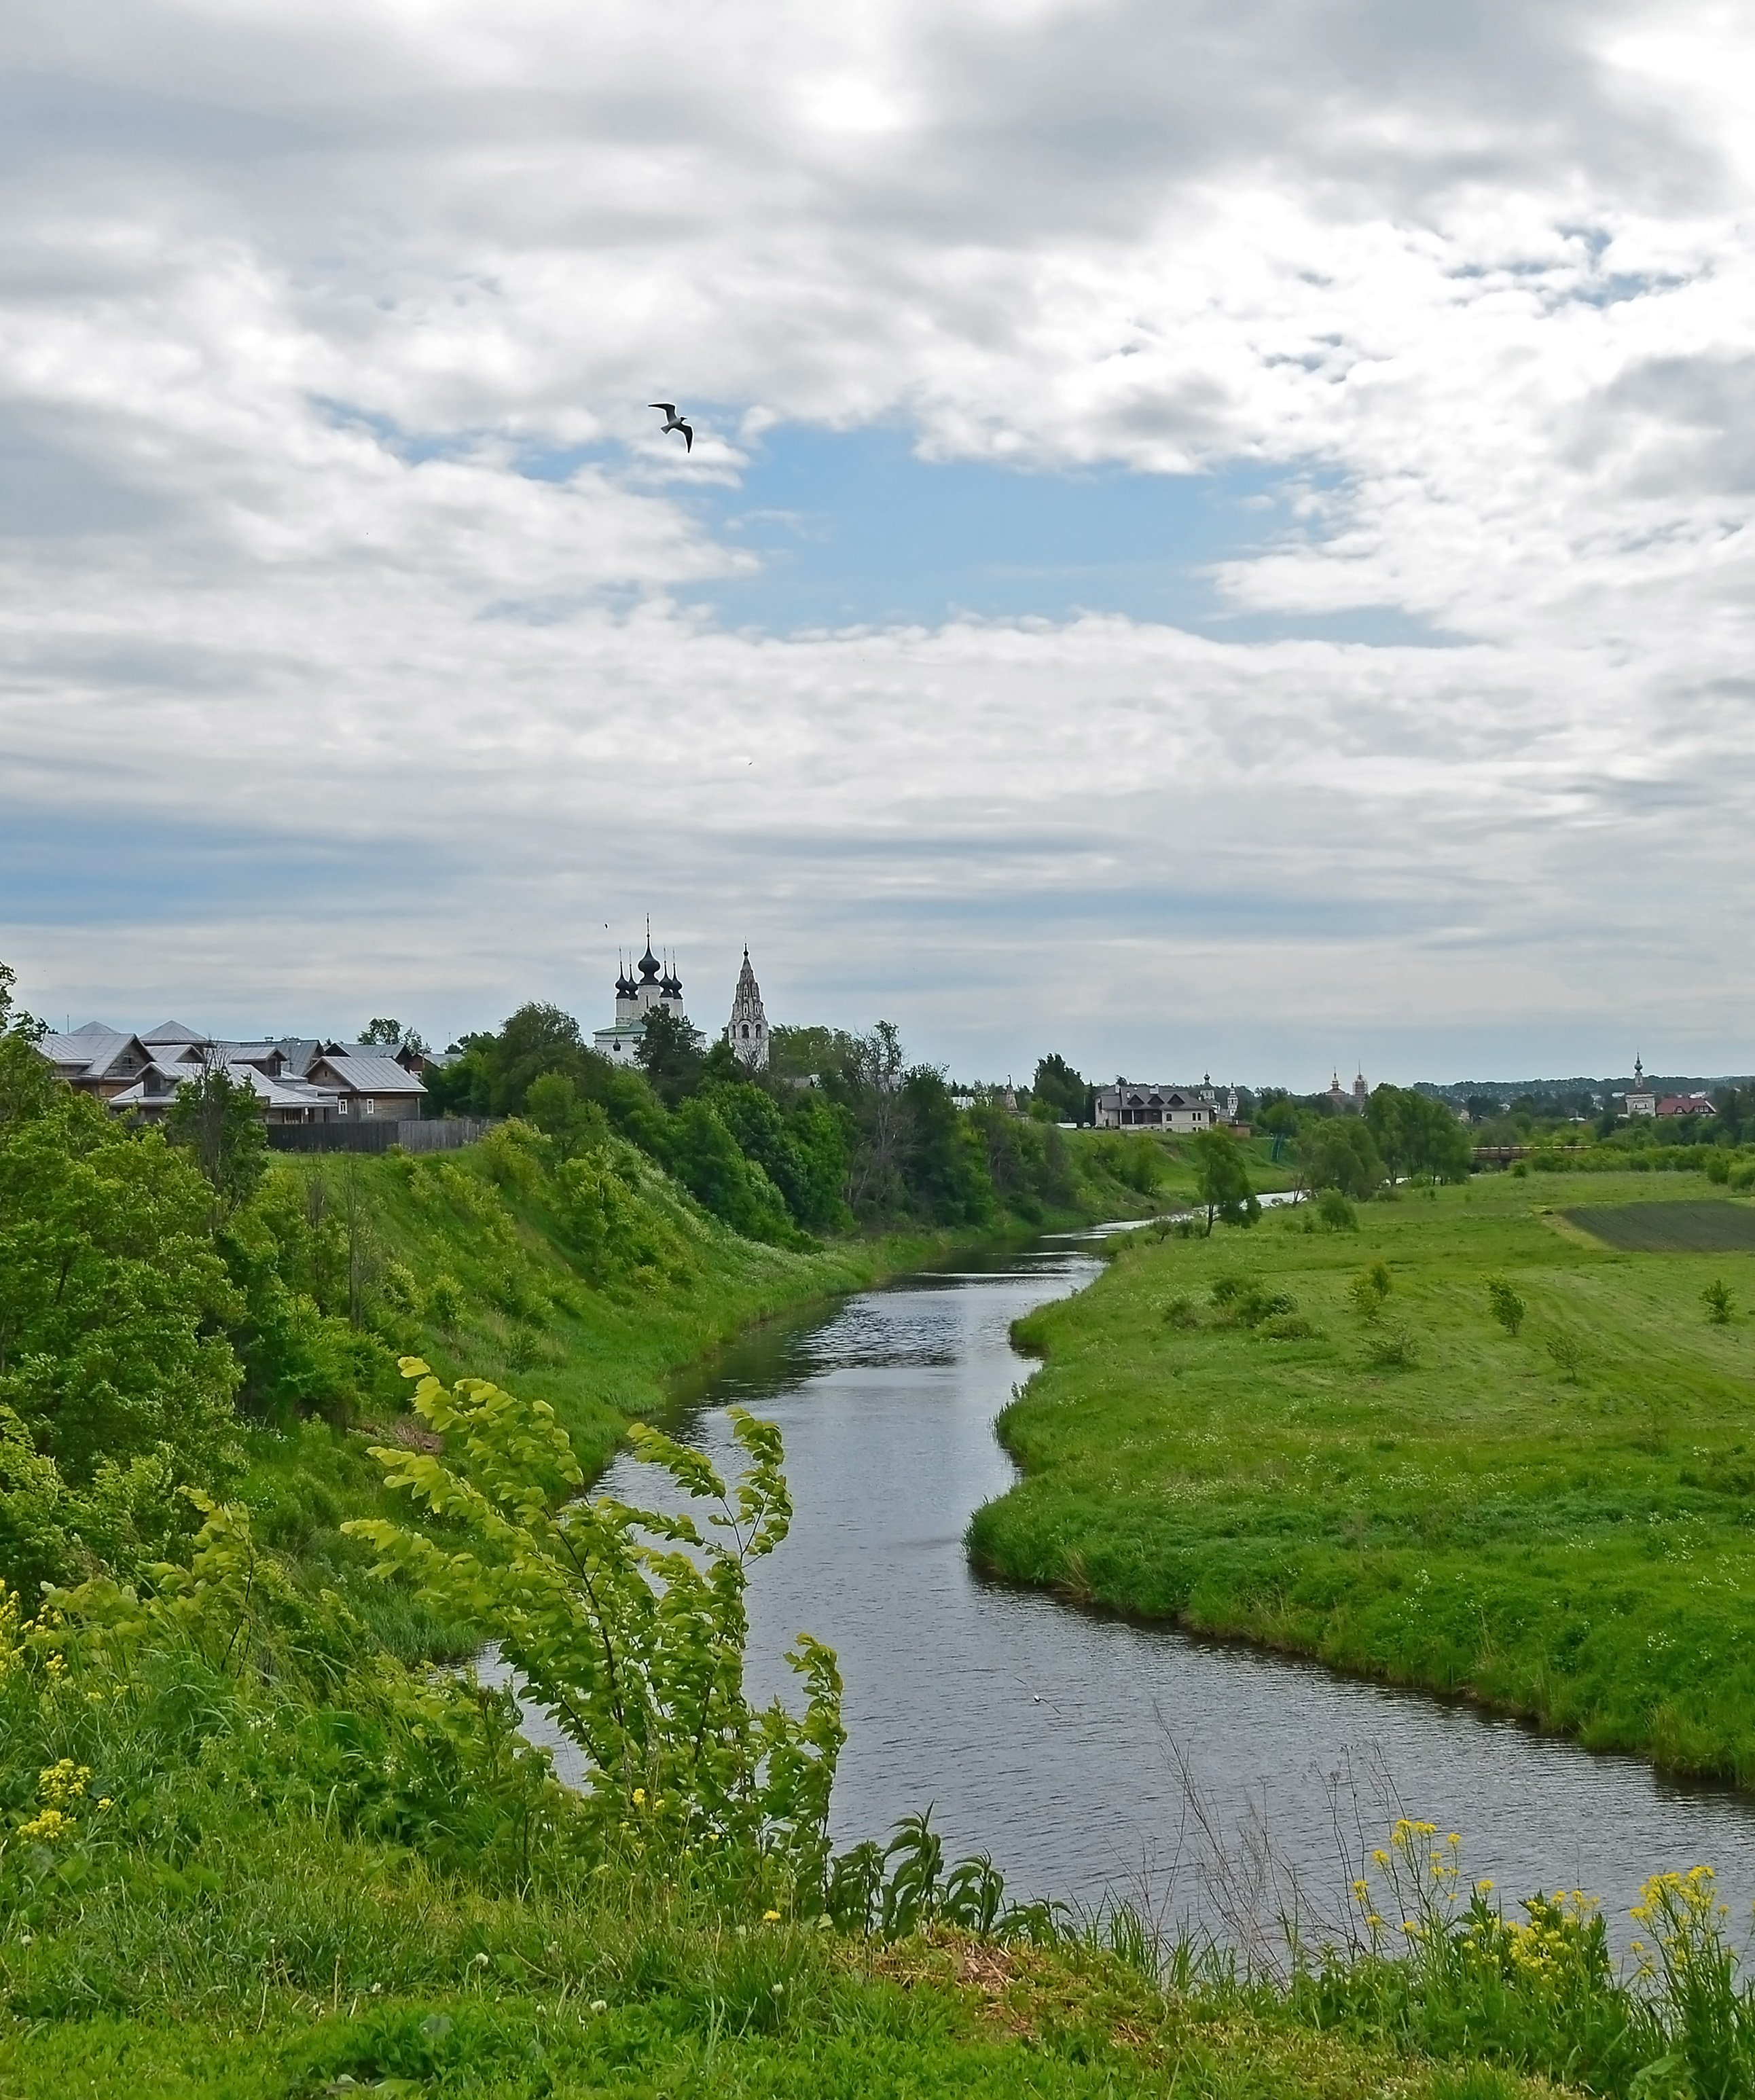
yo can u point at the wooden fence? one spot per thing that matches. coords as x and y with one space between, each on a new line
434 1134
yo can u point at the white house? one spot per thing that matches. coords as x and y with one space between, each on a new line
1137 1105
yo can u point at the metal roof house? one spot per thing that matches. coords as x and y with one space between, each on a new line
296 1079
1138 1105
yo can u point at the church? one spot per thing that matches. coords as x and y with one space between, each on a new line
658 985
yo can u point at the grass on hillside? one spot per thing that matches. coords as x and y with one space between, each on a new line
1233 1434
473 1265
317 1967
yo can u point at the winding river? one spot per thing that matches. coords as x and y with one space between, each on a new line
1072 1747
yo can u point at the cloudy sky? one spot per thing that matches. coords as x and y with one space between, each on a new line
1217 535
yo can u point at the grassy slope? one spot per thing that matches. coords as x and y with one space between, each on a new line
532 1318
1580 1552
797 2015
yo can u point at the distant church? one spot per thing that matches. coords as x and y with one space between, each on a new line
659 985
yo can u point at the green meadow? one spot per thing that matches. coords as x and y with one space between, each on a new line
1329 1442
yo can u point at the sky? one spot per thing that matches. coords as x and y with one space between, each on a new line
1218 537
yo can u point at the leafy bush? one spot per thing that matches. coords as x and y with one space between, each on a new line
1181 1312
1391 1349
1568 1353
1715 1298
1336 1214
1369 1290
1246 1304
635 1648
1505 1304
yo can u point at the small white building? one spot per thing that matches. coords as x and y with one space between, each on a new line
658 985
747 1030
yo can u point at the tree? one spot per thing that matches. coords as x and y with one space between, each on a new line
1336 1152
27 1084
392 1035
538 1038
112 1295
217 1119
553 1104
670 1056
705 1157
1278 1118
1222 1181
1505 1304
1417 1135
944 1168
1063 1089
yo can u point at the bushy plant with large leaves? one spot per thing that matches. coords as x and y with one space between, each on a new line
628 1624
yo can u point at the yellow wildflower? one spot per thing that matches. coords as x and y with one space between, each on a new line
770 1918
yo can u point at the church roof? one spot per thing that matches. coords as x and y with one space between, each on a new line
648 962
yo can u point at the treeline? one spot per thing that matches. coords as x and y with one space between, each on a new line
841 1131
1402 1136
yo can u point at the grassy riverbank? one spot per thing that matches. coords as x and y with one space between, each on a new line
588 1286
1558 1521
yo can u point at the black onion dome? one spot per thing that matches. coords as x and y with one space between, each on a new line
648 964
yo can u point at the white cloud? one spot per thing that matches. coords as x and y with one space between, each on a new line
330 509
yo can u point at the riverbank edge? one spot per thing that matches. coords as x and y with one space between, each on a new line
1074 1588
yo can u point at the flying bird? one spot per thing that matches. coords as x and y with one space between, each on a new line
674 421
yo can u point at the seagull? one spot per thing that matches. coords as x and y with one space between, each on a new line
674 421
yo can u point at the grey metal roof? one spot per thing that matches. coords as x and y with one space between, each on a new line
91 1050
172 1031
372 1075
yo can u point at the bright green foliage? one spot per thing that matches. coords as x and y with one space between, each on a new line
1505 1304
1576 1548
1336 1153
1336 1213
110 1287
1222 1181
943 1160
1417 1135
804 1154
1437 1963
1716 1298
554 1105
707 1159
215 1117
636 1647
1066 1091
1370 1289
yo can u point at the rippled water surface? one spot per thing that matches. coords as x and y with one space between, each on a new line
1047 1735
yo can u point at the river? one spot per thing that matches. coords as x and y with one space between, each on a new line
1066 1744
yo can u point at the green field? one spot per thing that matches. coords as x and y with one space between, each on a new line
1721 1227
1559 1522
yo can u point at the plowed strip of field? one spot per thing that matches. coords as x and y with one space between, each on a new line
1715 1227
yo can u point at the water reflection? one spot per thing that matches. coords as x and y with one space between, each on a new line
1049 1737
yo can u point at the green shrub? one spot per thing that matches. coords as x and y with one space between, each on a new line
1568 1353
1336 1213
1505 1304
636 1648
1715 1298
1391 1349
1369 1290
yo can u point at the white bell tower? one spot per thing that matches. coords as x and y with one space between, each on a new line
747 1031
